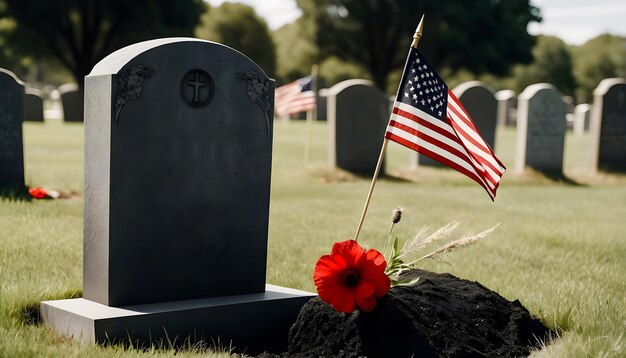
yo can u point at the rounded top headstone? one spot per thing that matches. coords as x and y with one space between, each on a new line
114 62
582 107
12 75
463 87
606 84
503 95
67 87
345 84
530 91
34 91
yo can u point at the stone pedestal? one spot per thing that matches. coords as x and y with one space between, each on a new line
255 322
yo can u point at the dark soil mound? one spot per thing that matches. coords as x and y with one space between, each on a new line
440 316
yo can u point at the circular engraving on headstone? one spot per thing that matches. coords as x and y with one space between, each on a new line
197 88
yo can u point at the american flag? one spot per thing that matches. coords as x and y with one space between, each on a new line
428 118
295 97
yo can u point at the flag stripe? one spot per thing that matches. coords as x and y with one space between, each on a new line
412 144
472 139
456 105
439 126
418 124
438 133
424 140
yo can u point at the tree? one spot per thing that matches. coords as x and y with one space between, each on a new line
239 27
552 64
296 50
481 36
599 58
79 33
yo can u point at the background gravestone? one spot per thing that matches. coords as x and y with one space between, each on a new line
357 118
178 155
321 110
33 105
608 126
541 126
582 114
72 101
11 146
507 104
481 104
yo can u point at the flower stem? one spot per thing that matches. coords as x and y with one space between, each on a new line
388 238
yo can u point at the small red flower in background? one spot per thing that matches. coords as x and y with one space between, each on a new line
37 193
351 277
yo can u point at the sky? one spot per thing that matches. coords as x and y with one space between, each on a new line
574 21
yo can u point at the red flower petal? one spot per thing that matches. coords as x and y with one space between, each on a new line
367 304
344 301
351 277
37 193
365 289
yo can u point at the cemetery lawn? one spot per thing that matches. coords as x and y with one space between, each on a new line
559 249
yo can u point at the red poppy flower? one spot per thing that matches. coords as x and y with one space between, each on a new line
37 193
351 277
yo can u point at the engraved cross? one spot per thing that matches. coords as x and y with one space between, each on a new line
196 84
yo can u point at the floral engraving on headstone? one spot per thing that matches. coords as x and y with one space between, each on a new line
258 91
130 85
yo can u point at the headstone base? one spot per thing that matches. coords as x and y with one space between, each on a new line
252 323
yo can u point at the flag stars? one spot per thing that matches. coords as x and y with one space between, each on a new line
412 88
413 70
423 102
440 113
406 94
416 78
414 97
432 109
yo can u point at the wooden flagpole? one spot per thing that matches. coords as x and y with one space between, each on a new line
416 39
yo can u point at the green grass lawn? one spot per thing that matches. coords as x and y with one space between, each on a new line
560 248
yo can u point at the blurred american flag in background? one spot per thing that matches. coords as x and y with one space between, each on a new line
295 97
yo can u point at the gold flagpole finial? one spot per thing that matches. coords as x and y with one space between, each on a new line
418 33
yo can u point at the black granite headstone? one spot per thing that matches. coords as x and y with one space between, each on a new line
178 156
541 126
33 105
608 131
72 101
11 146
322 113
177 195
358 114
